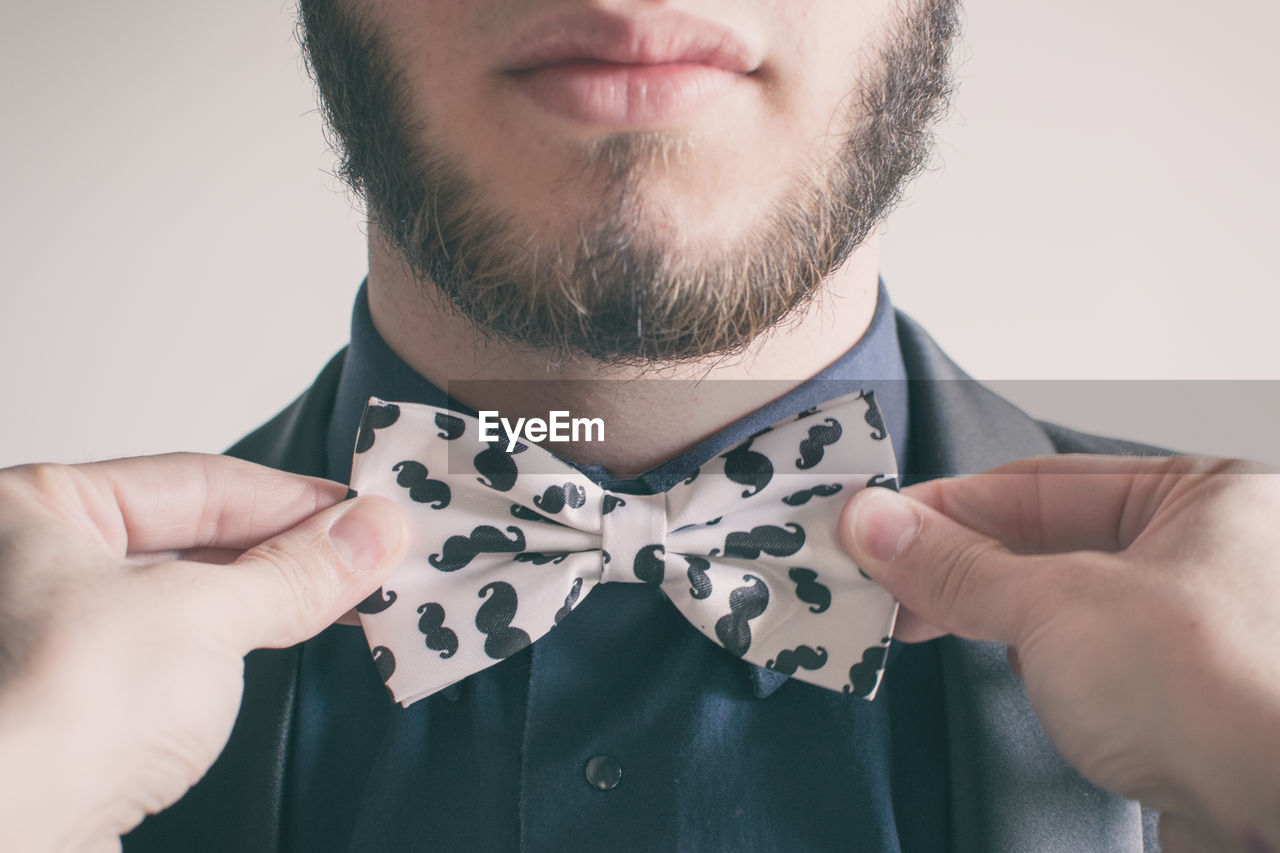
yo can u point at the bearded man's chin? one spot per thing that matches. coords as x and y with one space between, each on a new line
620 294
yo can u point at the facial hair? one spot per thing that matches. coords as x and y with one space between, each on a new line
621 293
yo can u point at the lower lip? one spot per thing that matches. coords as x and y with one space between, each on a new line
625 96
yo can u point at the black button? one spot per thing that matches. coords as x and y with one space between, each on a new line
604 772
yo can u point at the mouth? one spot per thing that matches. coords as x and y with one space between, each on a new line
609 71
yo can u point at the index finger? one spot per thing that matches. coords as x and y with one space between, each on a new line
1055 504
189 500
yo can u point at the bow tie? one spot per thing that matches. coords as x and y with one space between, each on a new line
504 544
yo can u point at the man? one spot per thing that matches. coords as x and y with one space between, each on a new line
588 192
584 192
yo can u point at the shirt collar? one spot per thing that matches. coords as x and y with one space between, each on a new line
874 363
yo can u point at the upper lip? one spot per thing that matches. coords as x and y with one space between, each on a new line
597 36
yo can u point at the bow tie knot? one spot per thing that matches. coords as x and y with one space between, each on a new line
504 543
633 538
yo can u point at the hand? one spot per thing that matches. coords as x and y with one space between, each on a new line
1140 600
130 592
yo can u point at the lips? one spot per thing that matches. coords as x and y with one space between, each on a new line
670 37
620 72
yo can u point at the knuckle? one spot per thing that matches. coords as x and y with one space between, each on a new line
305 585
1235 465
1193 465
43 477
963 563
1189 463
1237 487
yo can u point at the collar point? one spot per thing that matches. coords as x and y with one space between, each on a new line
764 682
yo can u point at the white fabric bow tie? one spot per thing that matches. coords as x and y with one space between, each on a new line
505 544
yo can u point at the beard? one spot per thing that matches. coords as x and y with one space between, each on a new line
623 291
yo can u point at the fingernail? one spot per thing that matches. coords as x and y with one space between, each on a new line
365 533
884 523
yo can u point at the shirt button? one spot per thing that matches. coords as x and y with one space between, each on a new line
604 772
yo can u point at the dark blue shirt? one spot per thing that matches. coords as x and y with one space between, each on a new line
714 753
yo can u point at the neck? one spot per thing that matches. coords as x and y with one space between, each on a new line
491 375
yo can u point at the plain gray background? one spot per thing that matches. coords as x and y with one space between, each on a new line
179 262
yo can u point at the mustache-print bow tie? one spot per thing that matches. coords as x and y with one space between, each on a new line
505 543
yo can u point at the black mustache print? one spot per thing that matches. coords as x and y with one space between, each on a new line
862 675
712 523
556 498
649 564
494 621
701 584
438 637
811 449
802 497
807 412
540 559
883 481
413 476
569 600
611 502
746 467
451 427
374 418
789 660
745 604
385 661
693 476
496 463
809 590
460 550
375 603
525 514
772 540
873 417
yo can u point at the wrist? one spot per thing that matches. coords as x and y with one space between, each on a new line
1229 769
46 799
24 791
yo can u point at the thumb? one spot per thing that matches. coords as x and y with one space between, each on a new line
946 574
296 584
